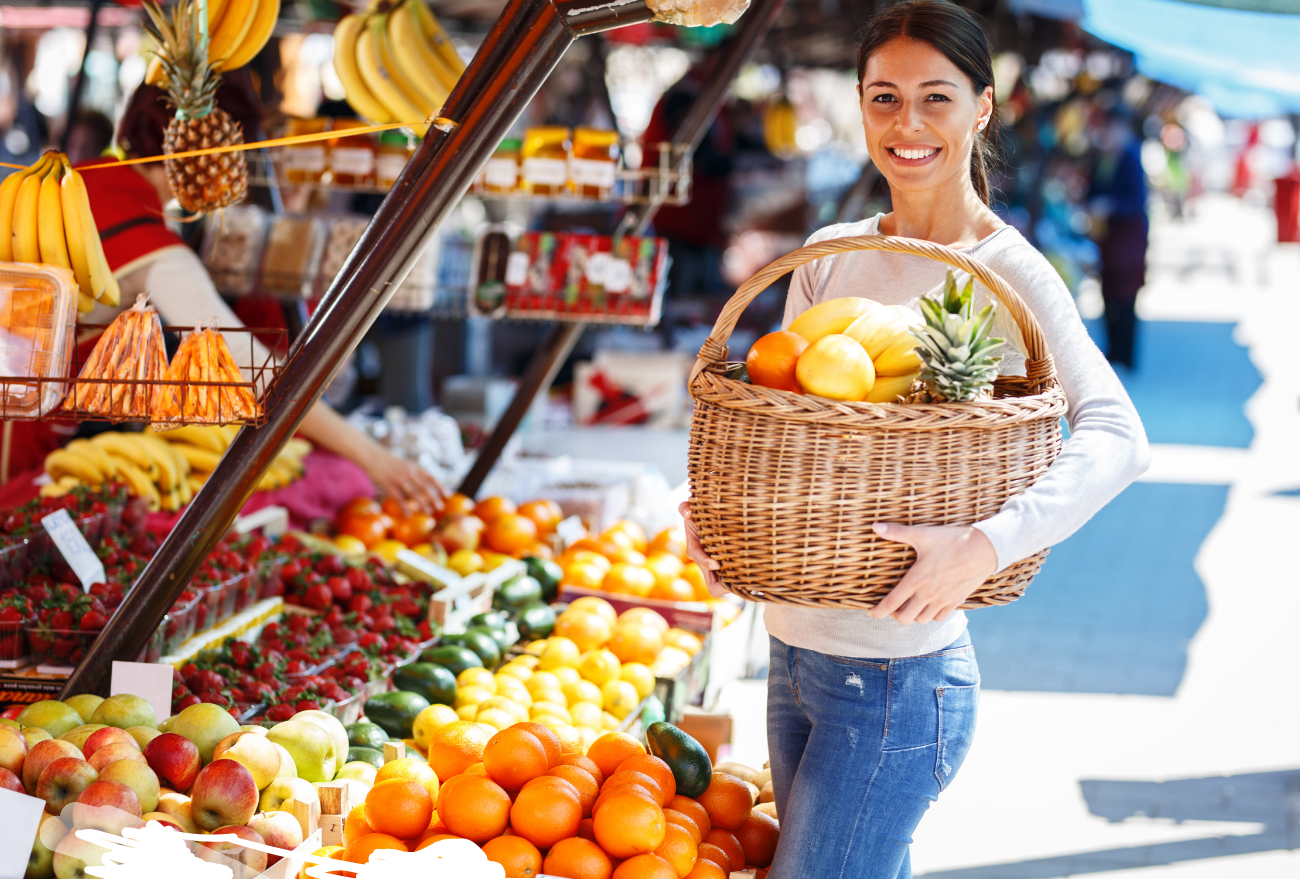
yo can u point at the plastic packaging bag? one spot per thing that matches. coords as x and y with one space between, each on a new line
129 353
701 13
202 385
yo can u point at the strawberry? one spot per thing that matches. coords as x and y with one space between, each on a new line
92 621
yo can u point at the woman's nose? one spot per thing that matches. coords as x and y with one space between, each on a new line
909 119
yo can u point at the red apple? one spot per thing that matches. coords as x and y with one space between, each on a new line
109 735
224 793
253 860
164 819
115 752
107 806
175 759
13 749
459 532
63 781
43 754
9 781
279 829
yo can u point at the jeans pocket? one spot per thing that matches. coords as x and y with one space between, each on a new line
958 707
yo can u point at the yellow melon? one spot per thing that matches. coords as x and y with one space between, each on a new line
836 367
831 316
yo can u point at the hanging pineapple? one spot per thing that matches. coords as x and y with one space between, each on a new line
958 363
200 183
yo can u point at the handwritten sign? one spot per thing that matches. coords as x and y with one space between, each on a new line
151 681
74 548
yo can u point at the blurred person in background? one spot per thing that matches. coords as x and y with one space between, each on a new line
1118 207
91 135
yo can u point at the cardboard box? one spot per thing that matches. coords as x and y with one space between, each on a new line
710 730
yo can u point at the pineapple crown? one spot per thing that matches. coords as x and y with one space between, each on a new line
182 51
957 355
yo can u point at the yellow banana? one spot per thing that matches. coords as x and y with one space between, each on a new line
76 235
413 57
437 38
54 247
8 199
65 462
204 460
900 358
168 471
76 204
225 37
215 8
259 31
153 74
103 460
379 31
299 448
170 500
141 485
888 388
378 79
183 468
184 493
27 241
196 480
213 438
125 447
345 65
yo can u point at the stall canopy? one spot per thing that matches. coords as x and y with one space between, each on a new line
1245 62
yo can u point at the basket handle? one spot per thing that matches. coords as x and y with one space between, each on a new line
1039 368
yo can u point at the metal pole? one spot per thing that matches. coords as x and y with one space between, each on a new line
561 338
79 85
515 58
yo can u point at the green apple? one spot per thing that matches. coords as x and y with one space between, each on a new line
53 716
288 769
308 744
359 770
84 704
4 721
332 725
286 789
125 711
166 725
205 725
143 735
35 734
255 753
78 734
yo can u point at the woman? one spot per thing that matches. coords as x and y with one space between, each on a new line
871 713
146 257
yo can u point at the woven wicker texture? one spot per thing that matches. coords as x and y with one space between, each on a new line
785 487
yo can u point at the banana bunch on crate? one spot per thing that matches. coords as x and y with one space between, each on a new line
150 468
237 31
45 218
396 62
202 447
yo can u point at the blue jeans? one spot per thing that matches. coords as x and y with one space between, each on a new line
859 750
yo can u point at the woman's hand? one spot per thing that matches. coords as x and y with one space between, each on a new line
414 487
952 561
697 554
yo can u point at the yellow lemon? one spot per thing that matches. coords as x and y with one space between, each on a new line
535 648
599 667
493 560
542 680
555 696
620 698
527 661
836 367
639 676
590 557
509 706
430 720
465 562
513 689
566 674
683 640
582 691
608 721
559 652
589 735
585 714
543 709
471 696
349 545
477 677
467 712
495 718
516 670
388 549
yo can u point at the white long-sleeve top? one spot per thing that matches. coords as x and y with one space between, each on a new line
1106 451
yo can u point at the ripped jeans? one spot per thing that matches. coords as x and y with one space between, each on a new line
859 750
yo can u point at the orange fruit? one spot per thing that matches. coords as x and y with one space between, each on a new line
358 851
586 830
693 810
707 870
550 741
369 528
676 589
631 776
771 361
599 606
399 807
437 837
544 814
476 769
678 849
458 505
629 529
588 630
545 514
693 575
727 801
456 747
474 807
489 508
727 841
583 782
758 836
645 615
570 738
356 824
619 553
517 855
685 822
629 825
671 541
629 579
656 769
513 756
584 762
410 769
577 859
611 749
645 867
586 551
710 852
644 791
540 550
636 642
510 533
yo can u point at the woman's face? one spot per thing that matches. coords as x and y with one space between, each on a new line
921 115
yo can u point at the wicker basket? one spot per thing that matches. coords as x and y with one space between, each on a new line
785 487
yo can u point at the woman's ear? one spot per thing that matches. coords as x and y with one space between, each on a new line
985 109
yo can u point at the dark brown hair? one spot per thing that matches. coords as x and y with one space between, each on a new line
958 35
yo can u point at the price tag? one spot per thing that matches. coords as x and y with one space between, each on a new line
20 816
151 681
74 548
618 277
517 269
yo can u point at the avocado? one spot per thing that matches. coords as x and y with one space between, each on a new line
366 755
453 657
366 735
497 635
692 769
492 619
536 621
514 594
395 712
547 573
481 643
432 681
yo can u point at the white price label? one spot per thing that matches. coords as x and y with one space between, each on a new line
571 530
517 269
598 268
501 173
20 816
618 277
151 681
546 172
356 161
74 549
305 158
593 172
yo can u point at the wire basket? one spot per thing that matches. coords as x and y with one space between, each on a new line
785 487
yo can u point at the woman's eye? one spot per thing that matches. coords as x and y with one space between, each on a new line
883 99
938 98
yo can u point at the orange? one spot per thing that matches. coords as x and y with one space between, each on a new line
458 505
540 550
584 762
575 554
410 769
707 870
570 738
673 817
678 849
656 769
577 859
599 606
636 642
583 782
489 508
617 552
759 836
583 574
544 513
710 852
544 814
456 747
644 615
693 575
356 824
367 506
510 533
665 566
629 579
369 528
476 769
513 756
645 867
414 530
771 361
670 540
550 741
631 776
554 782
437 837
676 589
693 810
611 749
727 801
517 855
588 630
358 851
727 841
474 807
399 807
644 791
629 825
629 529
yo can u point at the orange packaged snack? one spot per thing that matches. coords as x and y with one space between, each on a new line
130 353
205 385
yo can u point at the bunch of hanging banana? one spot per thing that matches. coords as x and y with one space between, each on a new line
396 62
237 31
202 447
45 218
149 467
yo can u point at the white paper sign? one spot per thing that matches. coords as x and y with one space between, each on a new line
151 681
20 816
571 530
74 548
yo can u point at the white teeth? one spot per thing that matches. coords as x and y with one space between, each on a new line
914 154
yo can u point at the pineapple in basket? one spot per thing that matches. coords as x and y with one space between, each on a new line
958 363
200 183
